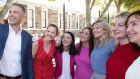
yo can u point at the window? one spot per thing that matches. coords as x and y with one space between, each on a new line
77 22
84 22
44 24
60 21
69 22
31 19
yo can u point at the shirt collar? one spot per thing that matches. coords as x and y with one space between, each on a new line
10 29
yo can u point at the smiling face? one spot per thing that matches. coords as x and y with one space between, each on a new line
133 29
50 33
119 29
66 40
98 31
85 35
15 15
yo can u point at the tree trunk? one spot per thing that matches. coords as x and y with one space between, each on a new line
88 13
106 8
5 9
118 9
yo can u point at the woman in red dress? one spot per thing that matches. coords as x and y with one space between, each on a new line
43 53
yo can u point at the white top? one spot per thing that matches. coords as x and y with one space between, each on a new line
10 64
66 66
133 71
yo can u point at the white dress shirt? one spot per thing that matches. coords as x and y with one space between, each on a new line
65 66
10 64
133 71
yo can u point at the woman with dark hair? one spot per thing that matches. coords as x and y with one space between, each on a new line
123 56
133 32
64 57
82 59
43 53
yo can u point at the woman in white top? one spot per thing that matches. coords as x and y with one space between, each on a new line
64 57
133 31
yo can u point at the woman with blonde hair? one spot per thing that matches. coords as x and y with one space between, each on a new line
104 46
123 56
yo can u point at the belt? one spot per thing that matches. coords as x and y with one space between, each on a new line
8 77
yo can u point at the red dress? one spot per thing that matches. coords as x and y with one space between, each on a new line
119 61
43 66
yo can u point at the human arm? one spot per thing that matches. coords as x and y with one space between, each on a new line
34 49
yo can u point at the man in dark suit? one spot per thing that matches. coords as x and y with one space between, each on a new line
15 47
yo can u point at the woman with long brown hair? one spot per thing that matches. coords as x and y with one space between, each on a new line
82 59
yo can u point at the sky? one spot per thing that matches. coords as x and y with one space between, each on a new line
78 5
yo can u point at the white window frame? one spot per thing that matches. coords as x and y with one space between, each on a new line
77 15
44 10
60 12
69 20
32 8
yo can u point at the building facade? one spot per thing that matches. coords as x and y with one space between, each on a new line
39 16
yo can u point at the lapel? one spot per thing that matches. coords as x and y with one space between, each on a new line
60 60
71 62
24 40
4 36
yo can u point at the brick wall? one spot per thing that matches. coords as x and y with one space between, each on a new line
53 16
38 17
73 20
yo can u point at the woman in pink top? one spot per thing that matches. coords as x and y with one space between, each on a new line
82 59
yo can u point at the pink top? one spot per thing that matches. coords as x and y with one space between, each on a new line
83 64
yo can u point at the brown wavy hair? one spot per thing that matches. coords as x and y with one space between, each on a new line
91 42
134 46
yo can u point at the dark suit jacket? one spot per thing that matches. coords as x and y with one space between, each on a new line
26 50
58 68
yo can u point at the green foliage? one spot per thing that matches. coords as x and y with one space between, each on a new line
110 20
102 4
132 5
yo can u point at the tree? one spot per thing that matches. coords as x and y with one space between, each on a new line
129 5
5 9
132 5
89 5
106 8
118 4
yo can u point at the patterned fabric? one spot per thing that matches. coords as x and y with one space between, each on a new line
43 66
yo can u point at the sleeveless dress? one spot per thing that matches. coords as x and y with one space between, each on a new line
83 64
43 66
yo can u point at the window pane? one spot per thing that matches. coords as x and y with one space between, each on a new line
60 21
30 23
44 19
31 18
